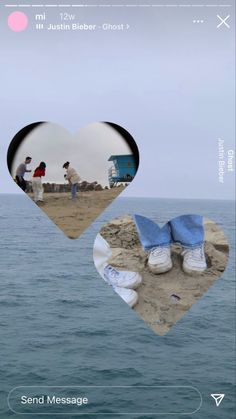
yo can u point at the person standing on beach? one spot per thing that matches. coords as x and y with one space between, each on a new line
20 173
186 230
37 182
72 177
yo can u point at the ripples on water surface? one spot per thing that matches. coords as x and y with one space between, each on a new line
60 325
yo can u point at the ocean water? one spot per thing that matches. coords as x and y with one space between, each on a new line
60 325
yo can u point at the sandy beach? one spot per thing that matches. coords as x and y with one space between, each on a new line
73 217
156 305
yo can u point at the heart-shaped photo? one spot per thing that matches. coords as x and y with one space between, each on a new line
160 272
73 178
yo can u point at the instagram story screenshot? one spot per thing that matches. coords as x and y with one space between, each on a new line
117 209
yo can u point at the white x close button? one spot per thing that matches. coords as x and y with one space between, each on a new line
223 21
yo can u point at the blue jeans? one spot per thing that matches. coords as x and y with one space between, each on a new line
186 230
74 190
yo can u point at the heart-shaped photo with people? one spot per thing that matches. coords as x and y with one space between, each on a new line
73 178
160 272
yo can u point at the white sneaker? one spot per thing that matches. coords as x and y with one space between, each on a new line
124 279
194 261
129 296
159 260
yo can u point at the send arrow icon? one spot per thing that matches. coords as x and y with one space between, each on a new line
218 398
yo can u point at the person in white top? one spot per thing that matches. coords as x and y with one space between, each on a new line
72 177
20 173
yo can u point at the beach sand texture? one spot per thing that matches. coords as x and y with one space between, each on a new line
73 217
156 306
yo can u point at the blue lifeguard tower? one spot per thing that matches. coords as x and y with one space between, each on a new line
122 170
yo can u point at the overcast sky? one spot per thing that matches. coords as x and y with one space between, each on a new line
168 81
87 151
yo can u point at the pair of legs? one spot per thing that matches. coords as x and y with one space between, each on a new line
186 230
37 189
74 190
123 282
21 182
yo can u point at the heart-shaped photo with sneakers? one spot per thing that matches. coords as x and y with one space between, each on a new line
73 178
160 272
